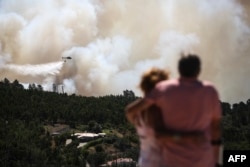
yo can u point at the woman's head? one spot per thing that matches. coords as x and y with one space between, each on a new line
151 77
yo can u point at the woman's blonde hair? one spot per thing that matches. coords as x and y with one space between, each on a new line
152 116
151 77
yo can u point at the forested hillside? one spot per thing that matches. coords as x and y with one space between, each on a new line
26 116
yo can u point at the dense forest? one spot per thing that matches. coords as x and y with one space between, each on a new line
28 115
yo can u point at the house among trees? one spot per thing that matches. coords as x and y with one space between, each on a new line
85 137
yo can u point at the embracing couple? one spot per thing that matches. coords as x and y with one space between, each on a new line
177 120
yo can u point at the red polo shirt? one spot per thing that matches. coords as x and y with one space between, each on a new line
187 105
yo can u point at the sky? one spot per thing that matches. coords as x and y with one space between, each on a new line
113 42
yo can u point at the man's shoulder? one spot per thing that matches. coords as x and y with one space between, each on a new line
209 86
168 83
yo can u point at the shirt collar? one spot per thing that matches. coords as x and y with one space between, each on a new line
188 80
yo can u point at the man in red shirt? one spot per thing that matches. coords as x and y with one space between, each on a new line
188 105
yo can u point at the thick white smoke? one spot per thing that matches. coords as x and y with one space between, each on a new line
112 42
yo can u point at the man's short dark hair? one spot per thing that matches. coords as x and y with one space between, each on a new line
189 65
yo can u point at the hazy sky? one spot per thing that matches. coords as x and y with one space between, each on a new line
112 42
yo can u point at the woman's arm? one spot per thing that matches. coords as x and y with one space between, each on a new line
165 135
133 109
216 137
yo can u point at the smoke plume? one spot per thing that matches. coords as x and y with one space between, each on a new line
112 42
